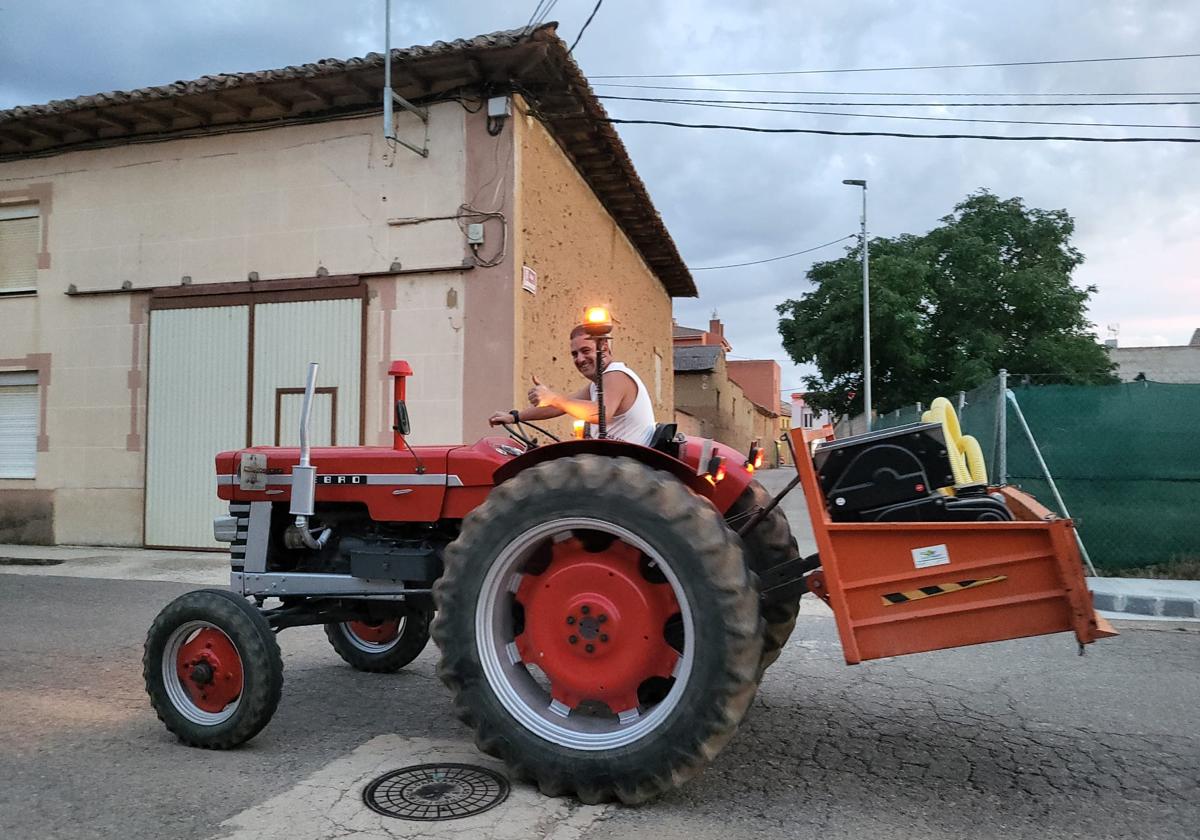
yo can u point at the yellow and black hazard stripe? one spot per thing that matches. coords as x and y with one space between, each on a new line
937 589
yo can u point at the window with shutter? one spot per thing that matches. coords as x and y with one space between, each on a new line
18 424
20 237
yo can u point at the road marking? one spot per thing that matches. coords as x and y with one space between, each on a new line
329 802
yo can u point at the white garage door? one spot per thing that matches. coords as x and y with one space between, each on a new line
287 336
201 361
197 407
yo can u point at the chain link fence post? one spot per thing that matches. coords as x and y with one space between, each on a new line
1000 456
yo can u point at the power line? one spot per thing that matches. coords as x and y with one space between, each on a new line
693 89
889 69
536 9
932 119
595 9
775 259
539 14
830 132
1076 104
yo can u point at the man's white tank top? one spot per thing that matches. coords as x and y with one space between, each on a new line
637 424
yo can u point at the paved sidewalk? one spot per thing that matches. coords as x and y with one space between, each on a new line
1146 598
205 568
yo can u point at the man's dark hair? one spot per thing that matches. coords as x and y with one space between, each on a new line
581 329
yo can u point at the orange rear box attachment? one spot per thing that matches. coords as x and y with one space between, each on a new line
908 587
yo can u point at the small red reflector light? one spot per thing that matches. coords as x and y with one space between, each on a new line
716 469
920 488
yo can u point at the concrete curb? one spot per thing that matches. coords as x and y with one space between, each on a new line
1139 596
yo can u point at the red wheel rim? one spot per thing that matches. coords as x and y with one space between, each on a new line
210 670
376 632
594 624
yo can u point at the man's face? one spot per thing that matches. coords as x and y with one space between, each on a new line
583 354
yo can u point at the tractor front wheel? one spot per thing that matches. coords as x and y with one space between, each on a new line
381 647
212 669
599 628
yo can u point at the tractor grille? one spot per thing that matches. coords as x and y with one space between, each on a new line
237 549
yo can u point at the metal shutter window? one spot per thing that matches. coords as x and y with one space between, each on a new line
18 424
20 232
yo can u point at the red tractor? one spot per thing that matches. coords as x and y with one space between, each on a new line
604 610
599 618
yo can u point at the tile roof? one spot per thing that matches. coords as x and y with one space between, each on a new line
534 64
696 357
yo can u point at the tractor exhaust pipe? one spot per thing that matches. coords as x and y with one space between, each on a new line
304 479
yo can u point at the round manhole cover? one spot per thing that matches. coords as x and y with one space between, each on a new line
436 792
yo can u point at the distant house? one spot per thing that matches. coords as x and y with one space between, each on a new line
1172 363
716 398
805 416
691 337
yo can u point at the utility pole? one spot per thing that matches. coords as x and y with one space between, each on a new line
866 303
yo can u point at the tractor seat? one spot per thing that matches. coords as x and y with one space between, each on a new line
664 439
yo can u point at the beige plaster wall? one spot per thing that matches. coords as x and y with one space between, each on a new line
581 258
279 202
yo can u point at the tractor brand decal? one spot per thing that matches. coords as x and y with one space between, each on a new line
938 589
930 555
341 479
348 479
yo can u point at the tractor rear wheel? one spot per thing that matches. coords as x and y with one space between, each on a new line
768 544
381 647
212 669
599 628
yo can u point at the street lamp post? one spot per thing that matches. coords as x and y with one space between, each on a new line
866 304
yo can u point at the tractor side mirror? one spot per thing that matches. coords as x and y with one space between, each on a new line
403 426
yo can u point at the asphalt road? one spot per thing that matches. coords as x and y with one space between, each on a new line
1012 740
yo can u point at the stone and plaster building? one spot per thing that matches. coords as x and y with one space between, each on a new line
735 402
172 257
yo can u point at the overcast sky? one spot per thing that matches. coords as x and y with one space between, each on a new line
734 197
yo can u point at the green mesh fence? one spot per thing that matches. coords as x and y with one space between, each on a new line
1125 458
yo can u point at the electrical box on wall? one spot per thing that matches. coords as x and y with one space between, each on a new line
499 106
475 234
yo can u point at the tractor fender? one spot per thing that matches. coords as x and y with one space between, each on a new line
722 495
610 448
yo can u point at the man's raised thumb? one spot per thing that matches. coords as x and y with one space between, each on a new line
535 381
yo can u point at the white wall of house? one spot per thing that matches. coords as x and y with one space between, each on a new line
279 202
1159 364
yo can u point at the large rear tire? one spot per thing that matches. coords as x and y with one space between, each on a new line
212 669
599 628
381 647
768 544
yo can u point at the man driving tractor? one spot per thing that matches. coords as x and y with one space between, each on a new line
629 412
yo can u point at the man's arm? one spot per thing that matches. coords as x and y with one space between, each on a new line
528 413
619 394
537 412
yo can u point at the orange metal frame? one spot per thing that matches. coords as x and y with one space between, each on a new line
992 580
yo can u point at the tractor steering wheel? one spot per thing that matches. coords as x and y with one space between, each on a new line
514 431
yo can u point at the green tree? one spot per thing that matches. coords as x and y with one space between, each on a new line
989 288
